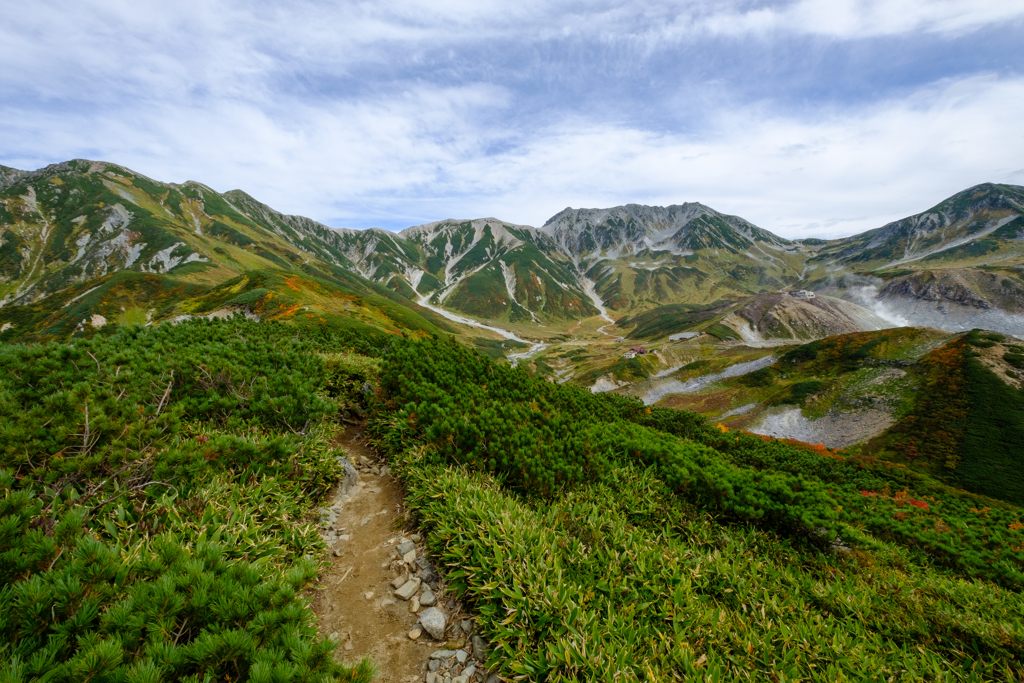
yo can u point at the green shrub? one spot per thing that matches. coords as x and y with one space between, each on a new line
759 378
152 484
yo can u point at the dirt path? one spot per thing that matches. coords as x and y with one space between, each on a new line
361 596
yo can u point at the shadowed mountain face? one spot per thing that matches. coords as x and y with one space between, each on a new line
71 223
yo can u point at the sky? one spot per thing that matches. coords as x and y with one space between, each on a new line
811 118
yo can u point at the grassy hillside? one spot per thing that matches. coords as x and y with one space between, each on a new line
600 539
966 424
157 488
595 538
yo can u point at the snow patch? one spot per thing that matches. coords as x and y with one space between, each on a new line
690 386
117 218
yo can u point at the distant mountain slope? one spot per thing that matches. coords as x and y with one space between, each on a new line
980 224
71 223
641 256
83 241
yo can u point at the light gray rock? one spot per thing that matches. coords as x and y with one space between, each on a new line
428 598
351 478
405 546
416 538
399 581
434 665
432 678
467 626
408 589
409 557
470 670
493 678
479 649
434 621
442 654
462 656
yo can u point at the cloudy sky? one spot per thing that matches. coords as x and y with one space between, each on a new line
809 118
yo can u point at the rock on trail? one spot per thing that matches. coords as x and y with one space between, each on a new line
380 597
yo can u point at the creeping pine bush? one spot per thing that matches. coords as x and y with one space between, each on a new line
602 540
543 438
152 489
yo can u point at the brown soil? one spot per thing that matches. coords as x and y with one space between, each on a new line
376 627
992 358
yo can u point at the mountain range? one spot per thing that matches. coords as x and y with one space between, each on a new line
74 225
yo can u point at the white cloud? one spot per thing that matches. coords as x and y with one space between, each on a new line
834 175
422 155
241 96
866 18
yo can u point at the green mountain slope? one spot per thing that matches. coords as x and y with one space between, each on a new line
955 267
86 243
983 224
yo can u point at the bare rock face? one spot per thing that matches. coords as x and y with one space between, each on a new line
435 622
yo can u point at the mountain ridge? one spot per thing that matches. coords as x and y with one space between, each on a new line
581 263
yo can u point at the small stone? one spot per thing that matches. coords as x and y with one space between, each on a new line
442 654
365 521
428 598
461 679
493 678
467 626
414 605
408 589
363 460
434 621
405 546
384 565
470 670
479 649
462 656
432 678
428 576
345 537
415 633
399 581
416 538
423 562
349 645
368 595
409 557
434 665
387 602
385 471
337 552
